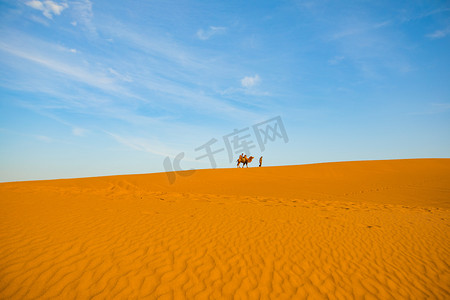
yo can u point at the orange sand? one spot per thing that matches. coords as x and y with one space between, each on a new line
363 230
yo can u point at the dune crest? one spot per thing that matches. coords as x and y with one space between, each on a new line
369 229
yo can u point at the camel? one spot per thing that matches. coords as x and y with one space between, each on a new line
245 161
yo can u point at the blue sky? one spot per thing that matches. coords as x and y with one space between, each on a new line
93 88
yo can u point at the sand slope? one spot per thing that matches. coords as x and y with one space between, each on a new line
363 230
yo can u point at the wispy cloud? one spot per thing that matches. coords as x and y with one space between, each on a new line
356 27
211 31
123 77
411 15
144 144
75 72
250 81
439 34
178 72
382 24
39 19
51 56
83 15
77 131
120 107
249 86
244 91
336 60
48 8
44 138
367 46
39 137
168 81
433 108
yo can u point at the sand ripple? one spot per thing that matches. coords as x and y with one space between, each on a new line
118 241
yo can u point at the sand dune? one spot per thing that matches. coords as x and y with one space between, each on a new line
363 230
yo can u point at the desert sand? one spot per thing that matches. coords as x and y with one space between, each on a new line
362 230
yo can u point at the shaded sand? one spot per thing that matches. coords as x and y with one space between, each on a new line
363 230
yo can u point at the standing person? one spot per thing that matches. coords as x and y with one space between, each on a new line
260 161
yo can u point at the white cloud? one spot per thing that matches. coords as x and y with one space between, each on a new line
120 76
48 7
54 7
358 28
82 14
180 65
143 144
77 131
250 92
439 34
36 4
41 53
206 34
408 16
336 60
382 24
43 138
112 80
365 47
39 19
249 81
